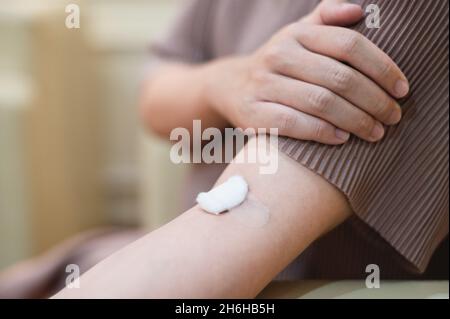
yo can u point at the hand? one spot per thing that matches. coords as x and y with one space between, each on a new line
312 82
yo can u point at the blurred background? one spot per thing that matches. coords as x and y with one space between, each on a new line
73 155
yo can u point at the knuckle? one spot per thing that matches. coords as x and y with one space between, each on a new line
249 108
320 130
385 70
244 118
351 43
261 85
384 109
275 56
290 29
364 126
260 77
342 79
286 122
321 101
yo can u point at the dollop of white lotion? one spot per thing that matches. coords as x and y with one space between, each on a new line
225 196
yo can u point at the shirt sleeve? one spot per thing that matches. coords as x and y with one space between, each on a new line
399 187
187 38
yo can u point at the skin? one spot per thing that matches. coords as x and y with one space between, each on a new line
311 81
191 256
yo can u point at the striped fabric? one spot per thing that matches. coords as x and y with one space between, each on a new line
399 187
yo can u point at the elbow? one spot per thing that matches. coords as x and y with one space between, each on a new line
150 114
148 117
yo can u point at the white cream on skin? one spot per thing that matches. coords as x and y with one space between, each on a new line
251 213
225 196
233 198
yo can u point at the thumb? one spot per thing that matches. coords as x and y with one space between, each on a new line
338 12
335 12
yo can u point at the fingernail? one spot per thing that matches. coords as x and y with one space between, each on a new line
342 135
395 116
350 6
377 132
401 88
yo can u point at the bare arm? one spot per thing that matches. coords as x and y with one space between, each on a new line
175 95
200 255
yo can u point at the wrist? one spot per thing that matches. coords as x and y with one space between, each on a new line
218 78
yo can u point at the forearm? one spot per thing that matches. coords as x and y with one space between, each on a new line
174 96
201 255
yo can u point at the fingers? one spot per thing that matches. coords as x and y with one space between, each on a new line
353 48
335 12
339 13
298 125
324 104
345 82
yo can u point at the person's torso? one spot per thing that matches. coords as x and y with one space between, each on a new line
240 27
